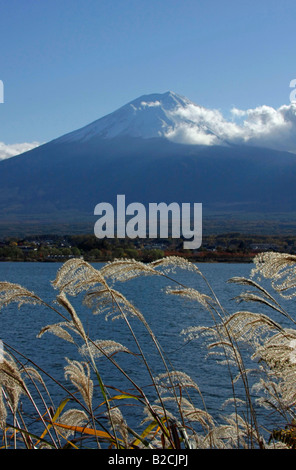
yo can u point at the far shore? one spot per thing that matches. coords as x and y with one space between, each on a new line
231 247
218 258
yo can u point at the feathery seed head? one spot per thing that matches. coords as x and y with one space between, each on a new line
179 378
281 268
192 294
170 263
11 380
58 329
111 303
101 348
119 423
10 292
79 374
71 418
62 299
126 269
76 276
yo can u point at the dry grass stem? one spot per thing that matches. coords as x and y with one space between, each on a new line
172 403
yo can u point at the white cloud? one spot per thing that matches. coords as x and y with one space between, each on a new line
10 150
150 104
190 134
269 127
263 126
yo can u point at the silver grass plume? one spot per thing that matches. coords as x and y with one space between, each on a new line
220 437
119 423
279 353
249 326
279 267
10 292
235 433
33 374
79 374
170 263
76 276
102 348
219 343
3 411
192 294
153 410
192 413
62 300
110 302
276 445
71 418
241 326
175 378
215 336
233 401
266 298
11 385
270 394
126 269
58 329
251 297
251 283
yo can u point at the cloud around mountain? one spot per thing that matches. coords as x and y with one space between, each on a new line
262 126
10 150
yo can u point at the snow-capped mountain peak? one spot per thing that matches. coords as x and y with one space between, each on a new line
149 116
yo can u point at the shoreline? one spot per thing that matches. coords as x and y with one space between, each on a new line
193 259
230 247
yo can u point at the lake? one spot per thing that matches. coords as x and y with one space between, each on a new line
166 314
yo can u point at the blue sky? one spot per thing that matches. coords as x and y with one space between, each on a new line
67 63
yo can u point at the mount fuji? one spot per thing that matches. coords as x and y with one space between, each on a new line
147 117
139 150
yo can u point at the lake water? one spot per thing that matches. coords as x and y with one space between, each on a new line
167 315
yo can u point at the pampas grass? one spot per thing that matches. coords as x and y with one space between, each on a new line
174 413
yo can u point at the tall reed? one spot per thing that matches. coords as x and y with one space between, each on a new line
173 412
